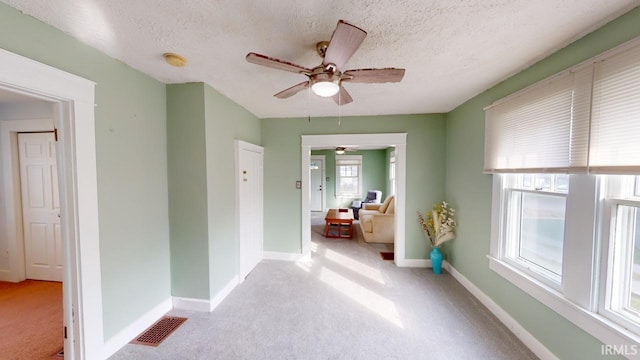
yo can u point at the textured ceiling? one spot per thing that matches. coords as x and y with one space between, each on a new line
451 50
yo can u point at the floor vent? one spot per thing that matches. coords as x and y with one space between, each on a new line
159 331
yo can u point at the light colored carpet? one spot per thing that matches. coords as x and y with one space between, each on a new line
345 303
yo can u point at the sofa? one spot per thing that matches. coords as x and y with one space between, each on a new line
377 221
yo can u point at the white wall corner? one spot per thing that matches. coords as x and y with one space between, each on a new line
223 293
518 330
130 332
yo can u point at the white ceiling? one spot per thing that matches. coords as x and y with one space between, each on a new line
451 50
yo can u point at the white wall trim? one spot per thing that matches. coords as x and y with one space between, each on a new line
518 330
190 304
274 255
223 293
124 336
202 305
74 99
399 140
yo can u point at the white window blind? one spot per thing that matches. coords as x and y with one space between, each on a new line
532 130
615 122
585 119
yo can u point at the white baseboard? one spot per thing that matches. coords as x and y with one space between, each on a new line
415 263
224 292
202 305
274 255
127 334
190 304
518 330
5 275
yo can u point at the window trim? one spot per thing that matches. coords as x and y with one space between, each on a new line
605 306
534 270
340 194
392 179
567 301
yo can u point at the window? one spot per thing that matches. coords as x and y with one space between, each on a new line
534 227
565 159
392 173
621 301
349 176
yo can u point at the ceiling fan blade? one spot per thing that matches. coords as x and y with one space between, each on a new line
374 75
292 90
346 39
276 63
342 97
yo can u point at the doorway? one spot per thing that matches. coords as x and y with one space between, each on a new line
73 117
40 206
398 140
317 169
249 192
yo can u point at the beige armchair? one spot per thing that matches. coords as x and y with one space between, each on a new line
377 221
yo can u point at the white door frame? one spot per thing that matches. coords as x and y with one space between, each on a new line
323 181
239 147
73 97
398 140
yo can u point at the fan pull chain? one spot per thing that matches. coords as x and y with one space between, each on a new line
309 102
339 109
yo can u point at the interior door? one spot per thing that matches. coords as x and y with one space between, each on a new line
316 167
40 206
250 204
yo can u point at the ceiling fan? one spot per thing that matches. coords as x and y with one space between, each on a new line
326 79
340 150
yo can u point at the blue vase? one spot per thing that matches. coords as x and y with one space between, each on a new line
436 260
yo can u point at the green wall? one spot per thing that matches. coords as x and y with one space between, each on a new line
469 191
225 122
374 170
281 139
202 126
131 149
186 148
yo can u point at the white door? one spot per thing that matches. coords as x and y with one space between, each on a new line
316 167
250 204
40 206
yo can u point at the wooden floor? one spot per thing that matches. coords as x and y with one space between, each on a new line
30 320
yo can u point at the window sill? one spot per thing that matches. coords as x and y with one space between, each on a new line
608 332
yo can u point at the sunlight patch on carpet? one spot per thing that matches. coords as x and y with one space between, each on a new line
374 302
355 266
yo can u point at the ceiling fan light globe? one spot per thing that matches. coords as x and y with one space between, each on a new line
325 88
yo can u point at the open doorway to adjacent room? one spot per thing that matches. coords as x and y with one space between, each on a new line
319 157
63 103
31 263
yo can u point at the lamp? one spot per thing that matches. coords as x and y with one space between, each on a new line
325 88
340 151
324 85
